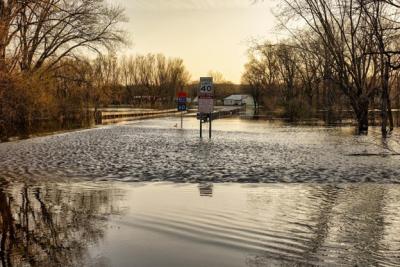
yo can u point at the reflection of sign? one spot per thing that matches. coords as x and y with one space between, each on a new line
182 100
206 190
206 95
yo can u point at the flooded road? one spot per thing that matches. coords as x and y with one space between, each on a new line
240 151
259 194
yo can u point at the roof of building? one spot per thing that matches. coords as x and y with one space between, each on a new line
236 97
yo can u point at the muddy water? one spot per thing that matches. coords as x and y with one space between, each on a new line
163 224
261 194
240 151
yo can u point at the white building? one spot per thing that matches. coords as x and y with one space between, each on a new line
239 100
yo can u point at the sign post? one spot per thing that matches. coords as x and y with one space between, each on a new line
209 128
206 102
182 104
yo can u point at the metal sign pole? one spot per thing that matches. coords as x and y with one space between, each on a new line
201 128
210 129
181 119
182 104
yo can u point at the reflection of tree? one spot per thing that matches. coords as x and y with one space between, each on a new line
362 224
7 230
50 225
313 218
343 224
323 215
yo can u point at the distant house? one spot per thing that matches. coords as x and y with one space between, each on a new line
238 100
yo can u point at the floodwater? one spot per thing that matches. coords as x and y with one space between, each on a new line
240 151
149 194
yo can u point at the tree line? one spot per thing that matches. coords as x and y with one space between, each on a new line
342 54
57 65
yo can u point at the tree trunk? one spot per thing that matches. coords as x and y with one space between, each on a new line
3 66
362 115
256 105
385 96
5 18
384 113
397 106
390 114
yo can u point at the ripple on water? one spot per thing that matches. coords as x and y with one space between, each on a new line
165 224
296 224
135 152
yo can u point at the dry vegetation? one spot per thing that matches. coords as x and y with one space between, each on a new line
48 70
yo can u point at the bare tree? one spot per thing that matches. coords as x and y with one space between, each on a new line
344 31
394 3
385 24
151 78
261 72
288 70
9 10
217 76
49 30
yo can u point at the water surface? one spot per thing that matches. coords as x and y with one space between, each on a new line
240 151
163 224
150 194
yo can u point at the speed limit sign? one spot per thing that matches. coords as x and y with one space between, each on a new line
206 87
206 95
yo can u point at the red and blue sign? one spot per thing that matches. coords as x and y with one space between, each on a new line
182 100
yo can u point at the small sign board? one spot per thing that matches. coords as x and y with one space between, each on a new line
182 107
206 95
182 100
206 105
206 89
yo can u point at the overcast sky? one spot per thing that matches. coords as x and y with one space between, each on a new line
206 34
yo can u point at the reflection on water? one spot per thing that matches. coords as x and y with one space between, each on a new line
342 225
52 224
206 189
160 224
311 202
